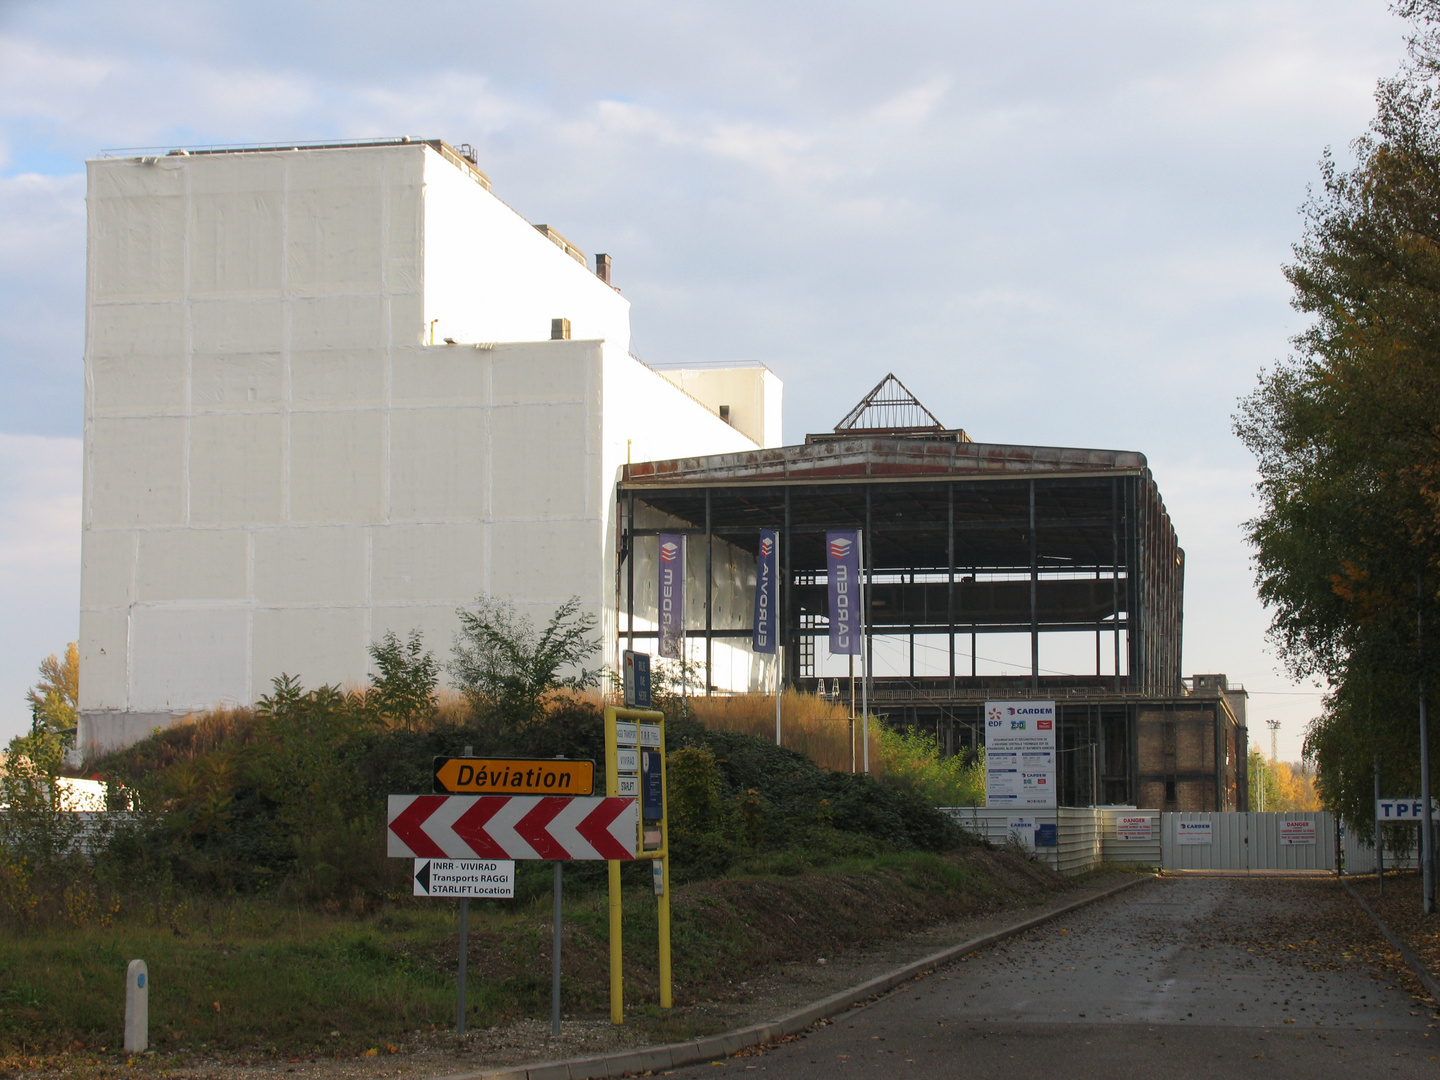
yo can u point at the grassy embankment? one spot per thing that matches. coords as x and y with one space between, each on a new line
250 976
257 941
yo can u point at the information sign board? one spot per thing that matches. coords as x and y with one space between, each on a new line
465 878
1194 832
1297 831
1020 754
513 776
1133 827
652 799
637 679
627 760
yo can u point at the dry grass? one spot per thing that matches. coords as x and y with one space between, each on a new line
817 728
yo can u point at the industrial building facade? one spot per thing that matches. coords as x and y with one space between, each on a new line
964 540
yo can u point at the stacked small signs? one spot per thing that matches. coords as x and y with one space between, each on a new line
767 578
637 761
842 569
1019 754
672 594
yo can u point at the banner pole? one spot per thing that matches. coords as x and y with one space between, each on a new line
864 657
779 661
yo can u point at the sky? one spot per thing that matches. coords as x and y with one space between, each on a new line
1057 224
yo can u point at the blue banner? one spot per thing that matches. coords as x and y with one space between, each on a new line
767 592
672 593
842 555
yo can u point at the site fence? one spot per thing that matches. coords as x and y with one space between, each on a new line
1085 837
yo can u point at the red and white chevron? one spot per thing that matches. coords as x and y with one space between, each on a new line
511 827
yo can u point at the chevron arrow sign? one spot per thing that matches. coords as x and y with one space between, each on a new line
511 827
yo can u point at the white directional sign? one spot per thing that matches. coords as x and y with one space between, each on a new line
489 878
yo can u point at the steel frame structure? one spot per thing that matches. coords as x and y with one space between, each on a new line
962 539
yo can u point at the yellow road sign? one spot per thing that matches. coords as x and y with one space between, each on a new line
514 776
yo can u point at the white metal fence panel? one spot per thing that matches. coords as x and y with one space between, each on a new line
1115 849
1248 841
1079 836
1360 857
1203 841
1298 840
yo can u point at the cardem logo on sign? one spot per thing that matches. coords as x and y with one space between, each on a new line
766 546
840 548
669 551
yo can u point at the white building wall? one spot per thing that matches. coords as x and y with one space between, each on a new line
278 470
751 392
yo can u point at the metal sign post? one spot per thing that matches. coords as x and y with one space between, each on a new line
644 731
463 846
464 957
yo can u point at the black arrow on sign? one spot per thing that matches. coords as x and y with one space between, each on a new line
423 877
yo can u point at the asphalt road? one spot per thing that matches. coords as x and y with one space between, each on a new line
1188 977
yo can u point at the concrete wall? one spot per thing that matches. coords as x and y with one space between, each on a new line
278 469
752 393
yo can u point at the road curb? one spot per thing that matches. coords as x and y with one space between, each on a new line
1416 964
714 1047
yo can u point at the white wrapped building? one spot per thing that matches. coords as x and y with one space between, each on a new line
335 391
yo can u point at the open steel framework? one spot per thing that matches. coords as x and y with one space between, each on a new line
962 539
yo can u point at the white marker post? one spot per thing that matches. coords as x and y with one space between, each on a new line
137 1008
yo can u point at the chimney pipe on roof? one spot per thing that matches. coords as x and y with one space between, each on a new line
559 329
602 268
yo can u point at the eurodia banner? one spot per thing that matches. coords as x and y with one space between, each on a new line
671 593
767 591
842 571
1020 754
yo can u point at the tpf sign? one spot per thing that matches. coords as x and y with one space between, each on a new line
1390 811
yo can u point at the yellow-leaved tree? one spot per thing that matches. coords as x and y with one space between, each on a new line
54 699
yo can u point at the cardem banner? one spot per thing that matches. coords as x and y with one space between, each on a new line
767 583
672 593
842 554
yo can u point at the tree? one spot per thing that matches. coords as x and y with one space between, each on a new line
404 691
507 670
1346 433
54 700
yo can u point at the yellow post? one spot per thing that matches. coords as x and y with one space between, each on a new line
612 788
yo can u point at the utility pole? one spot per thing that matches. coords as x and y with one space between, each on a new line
1427 829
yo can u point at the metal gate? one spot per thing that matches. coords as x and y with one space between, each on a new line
1247 841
